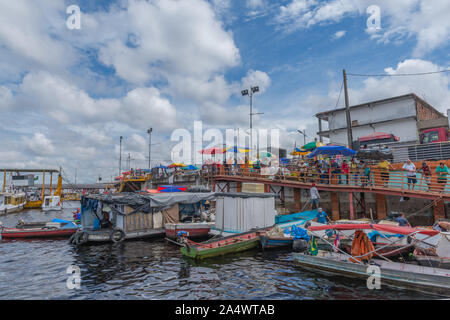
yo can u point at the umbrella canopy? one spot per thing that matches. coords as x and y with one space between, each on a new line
236 149
332 151
173 165
285 160
190 167
312 145
300 152
265 154
213 151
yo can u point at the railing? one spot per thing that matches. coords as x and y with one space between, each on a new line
376 178
420 152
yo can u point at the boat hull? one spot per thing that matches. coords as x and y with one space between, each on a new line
105 235
194 230
4 211
268 242
14 233
223 246
419 278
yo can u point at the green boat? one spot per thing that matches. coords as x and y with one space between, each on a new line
219 247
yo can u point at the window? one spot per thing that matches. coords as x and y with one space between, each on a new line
429 137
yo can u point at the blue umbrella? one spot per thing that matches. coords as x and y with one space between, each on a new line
332 151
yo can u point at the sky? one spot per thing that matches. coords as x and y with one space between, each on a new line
67 95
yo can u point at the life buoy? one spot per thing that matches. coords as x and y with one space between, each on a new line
117 235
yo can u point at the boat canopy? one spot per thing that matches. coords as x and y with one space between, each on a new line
378 227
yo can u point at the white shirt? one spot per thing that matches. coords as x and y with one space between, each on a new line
410 169
314 193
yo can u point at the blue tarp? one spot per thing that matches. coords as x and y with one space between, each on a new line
305 215
299 233
374 234
332 151
68 224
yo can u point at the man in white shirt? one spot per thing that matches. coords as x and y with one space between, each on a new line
410 169
314 196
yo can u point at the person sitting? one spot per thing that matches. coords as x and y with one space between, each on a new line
321 216
402 221
105 223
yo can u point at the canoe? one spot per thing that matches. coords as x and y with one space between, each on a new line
270 242
409 276
42 232
219 247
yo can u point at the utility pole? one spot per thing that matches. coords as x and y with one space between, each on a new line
304 135
149 131
120 156
347 112
129 162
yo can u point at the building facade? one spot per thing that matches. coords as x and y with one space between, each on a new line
402 116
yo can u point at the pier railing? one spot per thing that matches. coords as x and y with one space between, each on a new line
356 178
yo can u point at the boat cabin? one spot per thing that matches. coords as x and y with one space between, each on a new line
116 217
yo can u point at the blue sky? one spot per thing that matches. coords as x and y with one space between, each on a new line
67 95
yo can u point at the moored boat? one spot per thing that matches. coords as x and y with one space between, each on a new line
12 202
193 229
56 228
52 203
219 247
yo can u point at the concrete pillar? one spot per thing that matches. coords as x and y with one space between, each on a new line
213 186
238 186
266 188
439 210
334 206
352 210
320 129
381 206
297 200
228 187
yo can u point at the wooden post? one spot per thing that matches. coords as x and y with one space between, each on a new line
4 180
334 206
214 186
439 210
51 181
282 194
266 188
297 200
228 186
350 201
239 186
43 184
381 206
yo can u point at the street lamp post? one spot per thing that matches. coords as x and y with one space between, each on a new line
250 93
149 131
304 135
120 156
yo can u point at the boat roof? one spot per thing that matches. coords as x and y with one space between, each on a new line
373 226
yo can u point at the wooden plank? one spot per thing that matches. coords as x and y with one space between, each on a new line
381 206
297 200
334 206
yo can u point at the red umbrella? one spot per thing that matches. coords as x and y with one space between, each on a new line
213 151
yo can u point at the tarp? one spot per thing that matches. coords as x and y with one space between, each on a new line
171 215
305 215
378 227
190 167
332 151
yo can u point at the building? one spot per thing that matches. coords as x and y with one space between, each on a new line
403 116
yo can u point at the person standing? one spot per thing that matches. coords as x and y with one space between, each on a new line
442 172
321 216
426 173
402 221
344 169
384 167
314 194
410 169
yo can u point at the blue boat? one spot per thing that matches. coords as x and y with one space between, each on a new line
285 223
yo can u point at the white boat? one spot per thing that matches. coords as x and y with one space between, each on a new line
433 251
51 203
12 202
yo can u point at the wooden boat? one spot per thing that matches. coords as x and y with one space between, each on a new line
409 276
390 251
193 230
433 251
40 230
11 202
219 247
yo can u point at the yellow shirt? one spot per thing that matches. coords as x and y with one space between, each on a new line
384 165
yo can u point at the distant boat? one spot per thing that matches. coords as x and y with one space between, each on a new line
51 203
55 229
11 202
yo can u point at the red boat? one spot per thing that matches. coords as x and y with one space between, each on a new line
37 230
193 230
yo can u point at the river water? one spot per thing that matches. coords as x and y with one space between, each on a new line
155 269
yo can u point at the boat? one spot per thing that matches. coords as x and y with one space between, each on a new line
24 230
281 234
193 229
222 246
126 216
51 203
360 263
433 251
408 276
11 202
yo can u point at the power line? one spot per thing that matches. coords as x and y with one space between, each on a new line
397 75
340 91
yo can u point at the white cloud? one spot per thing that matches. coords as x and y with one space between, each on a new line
340 34
256 78
39 144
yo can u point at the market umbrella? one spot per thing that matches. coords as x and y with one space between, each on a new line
212 151
312 145
190 167
332 151
265 154
236 149
173 165
300 152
